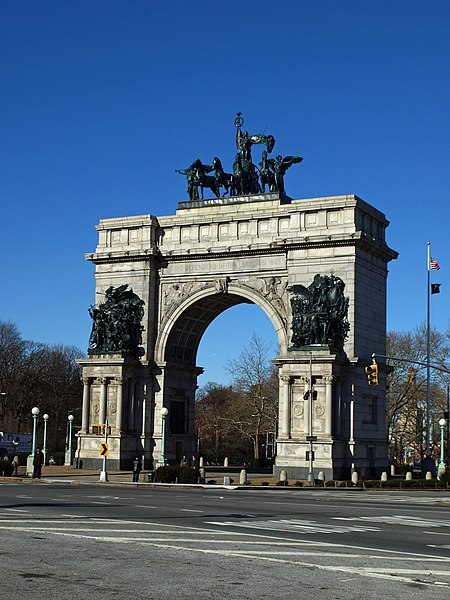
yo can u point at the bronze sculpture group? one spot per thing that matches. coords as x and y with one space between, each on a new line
319 313
117 323
247 178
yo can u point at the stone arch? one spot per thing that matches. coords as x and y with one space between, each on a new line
182 332
214 254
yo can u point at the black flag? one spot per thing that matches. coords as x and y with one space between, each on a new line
435 288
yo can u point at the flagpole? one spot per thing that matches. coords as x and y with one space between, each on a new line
428 452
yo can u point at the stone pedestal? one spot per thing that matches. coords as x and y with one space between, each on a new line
114 391
308 411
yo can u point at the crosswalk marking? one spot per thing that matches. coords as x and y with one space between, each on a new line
398 520
295 525
342 559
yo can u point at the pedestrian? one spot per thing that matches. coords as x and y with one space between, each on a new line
183 461
137 466
38 461
15 465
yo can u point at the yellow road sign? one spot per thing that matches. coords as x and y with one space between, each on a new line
103 449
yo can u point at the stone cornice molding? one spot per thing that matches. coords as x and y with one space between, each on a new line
358 239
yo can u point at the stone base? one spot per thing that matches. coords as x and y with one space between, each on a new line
268 197
122 450
29 470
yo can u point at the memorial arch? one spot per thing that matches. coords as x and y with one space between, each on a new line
268 250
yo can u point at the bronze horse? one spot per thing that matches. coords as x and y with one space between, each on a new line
223 179
204 180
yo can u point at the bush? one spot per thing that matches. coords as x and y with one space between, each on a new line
299 483
188 474
402 484
282 483
264 483
211 482
176 474
445 476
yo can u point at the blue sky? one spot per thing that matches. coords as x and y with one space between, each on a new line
102 100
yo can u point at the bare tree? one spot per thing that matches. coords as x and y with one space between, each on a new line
34 374
254 376
406 388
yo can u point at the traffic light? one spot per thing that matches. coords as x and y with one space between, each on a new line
372 374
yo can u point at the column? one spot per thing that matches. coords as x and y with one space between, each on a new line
338 396
286 421
137 406
131 405
86 405
102 412
329 405
144 410
307 407
119 406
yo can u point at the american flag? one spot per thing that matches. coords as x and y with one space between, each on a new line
434 264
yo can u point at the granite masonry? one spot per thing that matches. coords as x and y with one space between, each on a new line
211 255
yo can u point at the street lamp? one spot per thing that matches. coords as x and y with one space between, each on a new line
441 467
30 458
34 412
164 412
68 461
44 448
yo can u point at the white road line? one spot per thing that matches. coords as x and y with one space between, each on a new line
191 510
386 574
294 526
145 506
398 520
19 510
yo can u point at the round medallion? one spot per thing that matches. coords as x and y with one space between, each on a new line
320 410
298 410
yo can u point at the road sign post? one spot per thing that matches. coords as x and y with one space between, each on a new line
104 453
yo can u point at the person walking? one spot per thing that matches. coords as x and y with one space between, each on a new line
38 461
137 466
15 465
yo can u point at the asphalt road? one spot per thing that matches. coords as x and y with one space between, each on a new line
107 541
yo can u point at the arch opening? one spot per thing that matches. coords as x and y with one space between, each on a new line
184 338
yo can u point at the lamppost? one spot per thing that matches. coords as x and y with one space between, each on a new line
68 461
44 447
164 412
311 438
441 467
34 412
30 458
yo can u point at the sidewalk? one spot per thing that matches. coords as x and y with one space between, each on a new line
73 475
